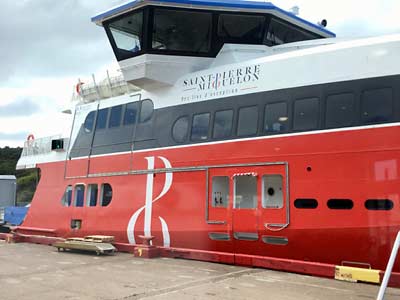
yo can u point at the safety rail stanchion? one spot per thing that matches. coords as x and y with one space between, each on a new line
389 268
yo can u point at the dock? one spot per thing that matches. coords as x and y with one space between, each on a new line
30 271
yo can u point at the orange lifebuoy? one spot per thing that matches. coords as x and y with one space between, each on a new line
30 137
78 87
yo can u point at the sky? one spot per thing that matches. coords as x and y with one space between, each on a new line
47 45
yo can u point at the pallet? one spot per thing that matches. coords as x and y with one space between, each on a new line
82 245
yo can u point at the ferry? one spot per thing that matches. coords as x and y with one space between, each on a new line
252 134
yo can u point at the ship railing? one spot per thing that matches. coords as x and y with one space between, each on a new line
389 268
41 146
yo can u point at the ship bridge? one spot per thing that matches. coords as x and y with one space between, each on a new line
157 42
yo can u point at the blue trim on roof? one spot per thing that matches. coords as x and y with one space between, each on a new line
211 3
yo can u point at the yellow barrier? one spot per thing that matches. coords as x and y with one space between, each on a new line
356 274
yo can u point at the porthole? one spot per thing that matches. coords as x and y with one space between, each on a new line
379 204
306 203
340 204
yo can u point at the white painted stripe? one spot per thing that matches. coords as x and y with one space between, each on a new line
131 226
149 197
165 232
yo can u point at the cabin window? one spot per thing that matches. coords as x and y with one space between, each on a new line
220 191
131 113
339 110
127 35
281 33
340 204
89 122
272 191
91 197
146 111
79 195
200 127
223 124
377 106
115 116
102 118
106 194
66 200
180 129
246 29
276 117
306 114
245 192
379 204
183 31
306 203
248 121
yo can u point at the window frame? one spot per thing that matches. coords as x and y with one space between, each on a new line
318 114
238 120
208 127
88 194
101 197
75 195
185 139
265 132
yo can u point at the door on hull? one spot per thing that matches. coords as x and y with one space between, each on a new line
247 205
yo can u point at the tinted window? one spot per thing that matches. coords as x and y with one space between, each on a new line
378 204
339 110
245 192
102 118
115 116
79 195
272 191
243 28
106 194
248 121
200 127
306 203
223 124
340 204
220 191
89 122
306 114
131 113
276 117
146 111
180 129
127 34
175 30
67 197
91 197
377 106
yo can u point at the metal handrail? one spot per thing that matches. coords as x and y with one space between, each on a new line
389 268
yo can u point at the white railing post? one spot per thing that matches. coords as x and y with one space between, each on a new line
389 268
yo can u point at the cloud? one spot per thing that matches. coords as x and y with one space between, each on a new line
18 136
19 108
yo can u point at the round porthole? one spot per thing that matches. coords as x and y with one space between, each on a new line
271 191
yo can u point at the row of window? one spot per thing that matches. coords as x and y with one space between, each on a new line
76 196
121 115
341 111
345 204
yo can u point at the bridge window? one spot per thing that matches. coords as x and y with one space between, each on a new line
106 194
220 191
306 203
306 113
180 129
67 197
245 192
248 121
200 127
115 116
102 118
89 122
79 195
183 31
377 106
127 35
340 204
276 117
131 113
247 29
146 111
91 197
379 204
339 110
223 124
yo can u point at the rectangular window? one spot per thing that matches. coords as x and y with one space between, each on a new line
220 191
244 28
377 106
67 197
339 110
248 121
175 30
272 191
115 116
200 127
131 113
223 124
102 118
79 195
276 117
306 114
91 197
245 192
